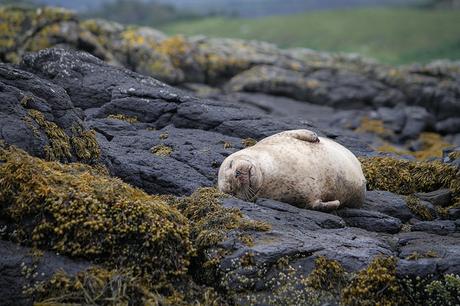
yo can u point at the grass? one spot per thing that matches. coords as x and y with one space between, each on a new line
390 35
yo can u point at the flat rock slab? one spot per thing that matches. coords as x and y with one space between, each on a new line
370 220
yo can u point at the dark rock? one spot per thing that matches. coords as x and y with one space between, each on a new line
24 97
370 220
432 254
388 203
441 197
342 89
197 128
417 121
454 213
299 234
20 270
439 227
450 125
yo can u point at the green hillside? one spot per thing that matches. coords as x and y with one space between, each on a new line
390 35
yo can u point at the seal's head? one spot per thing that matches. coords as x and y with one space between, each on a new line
240 176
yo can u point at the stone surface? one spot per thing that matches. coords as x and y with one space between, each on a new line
20 270
135 115
370 220
439 227
388 203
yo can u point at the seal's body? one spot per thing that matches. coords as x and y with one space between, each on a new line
295 167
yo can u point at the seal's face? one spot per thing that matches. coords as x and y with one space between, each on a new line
240 177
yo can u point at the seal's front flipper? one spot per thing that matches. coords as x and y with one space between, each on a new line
304 135
325 206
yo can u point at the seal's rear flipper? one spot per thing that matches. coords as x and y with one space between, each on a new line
304 135
325 206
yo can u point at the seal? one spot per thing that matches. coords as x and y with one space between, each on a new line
296 167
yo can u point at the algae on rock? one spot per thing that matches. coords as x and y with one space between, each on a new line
74 210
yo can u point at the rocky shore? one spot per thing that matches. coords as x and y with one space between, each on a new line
107 174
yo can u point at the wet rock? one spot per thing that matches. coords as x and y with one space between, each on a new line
439 227
388 203
450 125
370 220
39 117
126 146
20 270
422 254
418 119
441 197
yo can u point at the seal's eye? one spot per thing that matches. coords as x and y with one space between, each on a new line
237 173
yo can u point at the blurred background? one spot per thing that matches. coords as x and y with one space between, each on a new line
391 31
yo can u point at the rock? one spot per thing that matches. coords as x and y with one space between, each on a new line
439 227
370 220
38 116
423 254
441 197
341 89
450 125
388 203
20 270
418 119
194 127
298 234
454 213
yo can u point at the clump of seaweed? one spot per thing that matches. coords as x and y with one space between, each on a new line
375 285
248 142
161 150
432 146
122 117
414 204
327 275
59 143
99 286
373 126
74 210
210 221
407 177
416 255
61 147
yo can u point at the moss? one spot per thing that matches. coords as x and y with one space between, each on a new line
248 142
73 210
416 255
210 221
327 275
375 285
161 150
122 117
59 143
373 126
407 177
414 204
